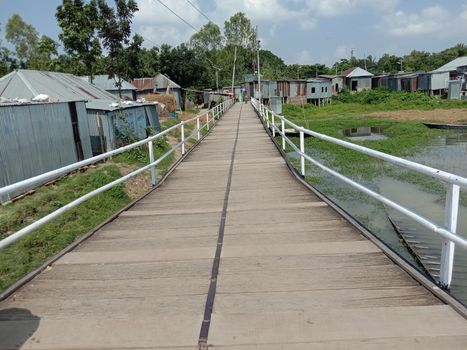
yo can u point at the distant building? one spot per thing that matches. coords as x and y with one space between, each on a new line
144 86
337 82
319 90
455 70
164 85
357 79
161 84
104 82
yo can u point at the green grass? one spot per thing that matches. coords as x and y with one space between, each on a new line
405 138
31 251
367 102
139 156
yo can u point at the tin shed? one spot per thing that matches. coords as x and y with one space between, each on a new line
44 136
67 87
319 90
164 85
104 82
357 79
111 125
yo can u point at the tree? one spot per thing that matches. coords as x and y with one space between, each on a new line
43 58
24 37
183 65
79 23
238 31
389 63
150 62
115 32
208 39
272 66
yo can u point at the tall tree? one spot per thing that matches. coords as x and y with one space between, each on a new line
3 58
79 22
150 62
115 32
24 37
208 39
238 31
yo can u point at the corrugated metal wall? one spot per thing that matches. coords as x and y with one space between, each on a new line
136 120
38 138
439 81
319 89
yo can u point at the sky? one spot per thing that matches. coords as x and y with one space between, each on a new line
298 31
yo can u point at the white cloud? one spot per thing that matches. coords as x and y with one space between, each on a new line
271 11
430 20
332 8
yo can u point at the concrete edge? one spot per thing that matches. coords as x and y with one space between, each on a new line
31 275
425 280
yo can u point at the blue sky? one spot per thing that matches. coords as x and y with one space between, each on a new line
299 31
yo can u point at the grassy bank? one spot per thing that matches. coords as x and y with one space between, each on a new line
367 102
33 250
405 138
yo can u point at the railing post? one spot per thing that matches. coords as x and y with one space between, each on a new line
302 150
283 133
207 120
151 160
183 138
197 129
267 118
450 220
273 124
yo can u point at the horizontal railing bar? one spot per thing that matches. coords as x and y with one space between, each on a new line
420 219
448 235
53 174
424 169
41 222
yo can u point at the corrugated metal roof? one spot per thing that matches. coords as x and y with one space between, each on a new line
106 83
356 73
142 84
452 66
162 82
60 87
112 105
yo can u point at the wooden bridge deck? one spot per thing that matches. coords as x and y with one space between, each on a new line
292 273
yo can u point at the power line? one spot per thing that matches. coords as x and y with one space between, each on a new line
184 21
197 9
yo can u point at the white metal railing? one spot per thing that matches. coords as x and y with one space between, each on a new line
454 183
203 121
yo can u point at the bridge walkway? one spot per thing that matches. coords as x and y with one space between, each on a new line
233 253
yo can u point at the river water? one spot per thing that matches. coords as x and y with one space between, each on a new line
447 152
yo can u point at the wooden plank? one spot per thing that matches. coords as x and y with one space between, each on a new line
293 274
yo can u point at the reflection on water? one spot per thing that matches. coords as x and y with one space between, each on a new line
449 153
365 133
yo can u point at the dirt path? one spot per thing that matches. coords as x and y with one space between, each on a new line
437 115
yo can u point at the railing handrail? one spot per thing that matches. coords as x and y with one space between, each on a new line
216 113
452 199
56 173
424 169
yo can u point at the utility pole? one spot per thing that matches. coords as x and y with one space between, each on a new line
233 72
